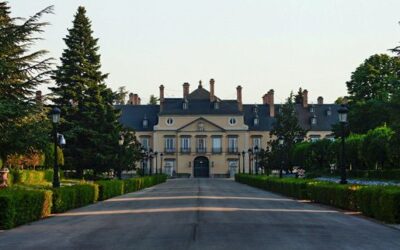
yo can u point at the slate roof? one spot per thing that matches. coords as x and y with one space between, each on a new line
174 106
132 116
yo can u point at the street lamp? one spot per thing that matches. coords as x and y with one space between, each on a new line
143 159
256 153
281 141
243 156
250 151
156 156
55 115
343 111
161 162
150 156
119 167
238 154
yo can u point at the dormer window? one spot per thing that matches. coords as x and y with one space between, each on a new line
329 111
312 109
216 105
314 120
145 122
256 121
185 104
255 109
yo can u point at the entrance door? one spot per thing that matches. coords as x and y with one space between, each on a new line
201 167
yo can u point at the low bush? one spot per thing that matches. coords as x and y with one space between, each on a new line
108 189
32 177
380 202
20 206
69 197
135 184
389 174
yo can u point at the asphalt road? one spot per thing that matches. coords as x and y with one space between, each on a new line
202 214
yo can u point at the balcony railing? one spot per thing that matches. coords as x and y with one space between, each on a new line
232 150
185 150
169 150
201 150
216 150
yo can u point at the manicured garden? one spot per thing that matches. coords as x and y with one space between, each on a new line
379 202
31 197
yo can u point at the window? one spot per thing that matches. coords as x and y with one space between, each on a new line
169 121
185 144
169 144
330 137
256 121
145 123
201 144
169 167
329 111
185 105
216 105
256 142
312 109
314 138
145 142
314 120
232 144
232 121
216 145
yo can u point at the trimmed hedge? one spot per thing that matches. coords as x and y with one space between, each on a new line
69 197
108 189
20 206
32 177
379 202
135 184
389 174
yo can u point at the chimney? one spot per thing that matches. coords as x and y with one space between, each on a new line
130 100
264 99
38 96
305 98
320 100
185 90
212 96
239 97
270 101
161 97
135 99
139 100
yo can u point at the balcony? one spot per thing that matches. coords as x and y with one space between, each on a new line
169 150
201 150
232 150
185 150
216 150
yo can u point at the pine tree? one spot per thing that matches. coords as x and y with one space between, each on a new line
90 122
287 127
153 100
23 123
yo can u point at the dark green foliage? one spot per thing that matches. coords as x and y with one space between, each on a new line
375 147
382 203
23 121
20 206
69 197
388 174
109 189
135 184
89 120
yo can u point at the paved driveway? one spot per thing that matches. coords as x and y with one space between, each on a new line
202 214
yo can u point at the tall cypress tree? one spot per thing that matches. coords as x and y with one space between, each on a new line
89 120
22 121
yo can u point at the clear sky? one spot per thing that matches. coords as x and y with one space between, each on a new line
259 44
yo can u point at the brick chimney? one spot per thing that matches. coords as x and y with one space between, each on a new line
239 97
185 90
269 99
161 97
134 99
212 94
320 100
305 98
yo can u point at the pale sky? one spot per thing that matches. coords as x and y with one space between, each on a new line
259 44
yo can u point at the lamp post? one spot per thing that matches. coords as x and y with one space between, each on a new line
150 154
119 170
281 141
343 120
256 153
161 162
143 159
55 114
250 151
238 154
243 156
156 156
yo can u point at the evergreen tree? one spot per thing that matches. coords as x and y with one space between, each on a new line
90 122
298 98
153 100
23 122
121 96
287 126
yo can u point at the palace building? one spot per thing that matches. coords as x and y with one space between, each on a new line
201 135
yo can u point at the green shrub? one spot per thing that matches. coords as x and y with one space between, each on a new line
389 174
135 184
20 206
108 189
380 202
32 177
69 197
